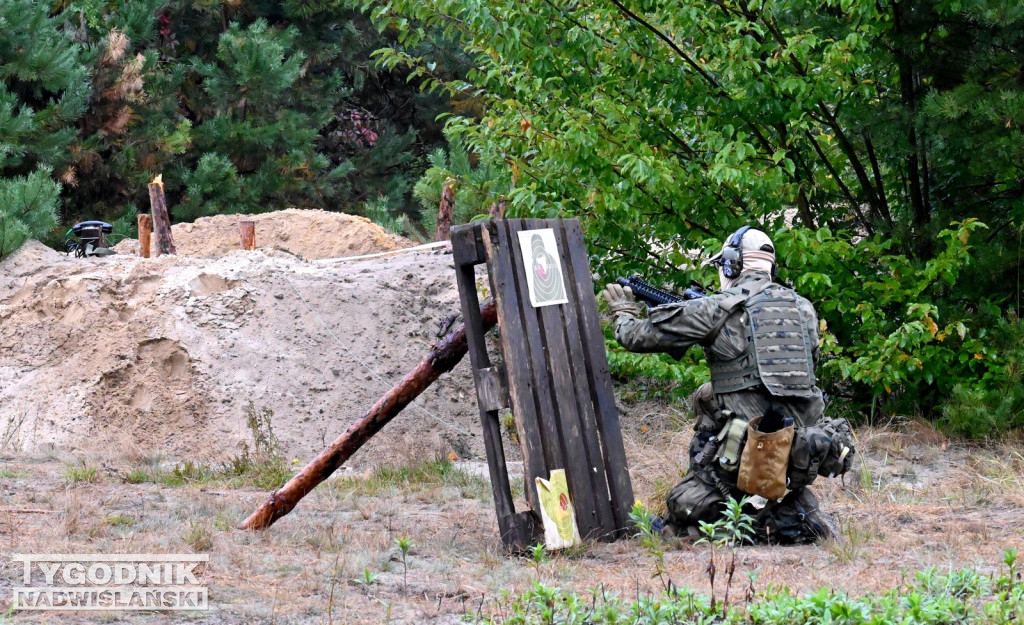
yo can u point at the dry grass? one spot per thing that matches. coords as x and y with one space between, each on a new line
913 500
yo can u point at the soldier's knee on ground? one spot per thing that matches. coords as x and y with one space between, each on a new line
693 500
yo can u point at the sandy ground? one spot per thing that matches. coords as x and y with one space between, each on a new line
913 502
302 232
165 354
114 366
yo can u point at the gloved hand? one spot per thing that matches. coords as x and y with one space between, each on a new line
620 299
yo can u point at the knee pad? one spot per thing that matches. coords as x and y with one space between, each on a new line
693 500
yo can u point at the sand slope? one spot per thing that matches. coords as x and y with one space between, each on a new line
166 354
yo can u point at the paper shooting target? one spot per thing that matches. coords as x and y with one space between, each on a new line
543 267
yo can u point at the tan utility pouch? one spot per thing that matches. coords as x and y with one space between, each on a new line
763 462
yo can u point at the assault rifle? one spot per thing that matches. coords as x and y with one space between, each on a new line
653 296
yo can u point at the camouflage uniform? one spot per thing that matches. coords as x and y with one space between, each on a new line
674 328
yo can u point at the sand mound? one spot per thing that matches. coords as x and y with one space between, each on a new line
166 355
305 233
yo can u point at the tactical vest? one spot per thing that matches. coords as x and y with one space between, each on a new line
779 346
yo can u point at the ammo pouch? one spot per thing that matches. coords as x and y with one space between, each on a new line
764 461
826 448
730 442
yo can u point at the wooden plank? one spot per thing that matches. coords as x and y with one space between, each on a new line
553 381
578 468
491 390
516 533
467 246
596 358
577 366
517 363
526 345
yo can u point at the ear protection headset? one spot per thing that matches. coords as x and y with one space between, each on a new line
732 255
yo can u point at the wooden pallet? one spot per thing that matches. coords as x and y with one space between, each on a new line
554 377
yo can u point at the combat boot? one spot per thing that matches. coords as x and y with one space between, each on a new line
796 520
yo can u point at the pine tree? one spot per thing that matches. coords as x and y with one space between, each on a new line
43 91
256 138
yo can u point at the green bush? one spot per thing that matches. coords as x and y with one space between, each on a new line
900 333
994 404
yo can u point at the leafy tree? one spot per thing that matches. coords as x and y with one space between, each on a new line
874 139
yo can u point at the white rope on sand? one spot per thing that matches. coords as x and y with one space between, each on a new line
425 246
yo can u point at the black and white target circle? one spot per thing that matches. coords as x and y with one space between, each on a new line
547 274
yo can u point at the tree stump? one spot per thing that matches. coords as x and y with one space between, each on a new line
161 220
444 212
247 233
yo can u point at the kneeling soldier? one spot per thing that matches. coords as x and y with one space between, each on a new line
761 342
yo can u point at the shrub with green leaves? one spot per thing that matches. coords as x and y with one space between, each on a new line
876 142
995 403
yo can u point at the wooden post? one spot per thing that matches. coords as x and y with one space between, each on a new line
145 227
247 233
444 212
498 208
161 220
441 359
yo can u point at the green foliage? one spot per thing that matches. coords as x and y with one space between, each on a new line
242 106
28 209
198 537
896 327
997 405
257 141
382 212
43 87
259 464
665 126
430 473
958 596
82 472
476 187
732 529
43 92
368 579
657 375
405 544
650 541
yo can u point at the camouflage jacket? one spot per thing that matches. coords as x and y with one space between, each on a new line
674 328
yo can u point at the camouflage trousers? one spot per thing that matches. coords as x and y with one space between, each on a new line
797 518
703 493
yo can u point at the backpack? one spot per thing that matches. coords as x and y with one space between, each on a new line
826 448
